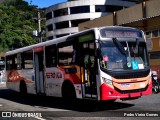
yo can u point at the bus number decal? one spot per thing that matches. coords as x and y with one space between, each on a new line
57 75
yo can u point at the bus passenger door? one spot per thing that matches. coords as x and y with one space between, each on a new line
39 70
88 69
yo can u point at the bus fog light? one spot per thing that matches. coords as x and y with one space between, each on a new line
107 81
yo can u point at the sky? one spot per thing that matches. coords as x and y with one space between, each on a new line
44 3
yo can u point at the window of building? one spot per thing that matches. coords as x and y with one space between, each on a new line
61 12
155 55
61 25
79 9
135 1
107 8
50 27
61 35
48 15
50 38
149 34
51 56
74 23
155 33
100 8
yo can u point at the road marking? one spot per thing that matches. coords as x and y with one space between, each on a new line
1 105
39 118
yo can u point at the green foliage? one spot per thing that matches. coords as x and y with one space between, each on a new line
17 24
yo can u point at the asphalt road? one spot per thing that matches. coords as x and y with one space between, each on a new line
44 108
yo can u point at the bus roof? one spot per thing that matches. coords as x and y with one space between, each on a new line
54 41
61 39
46 43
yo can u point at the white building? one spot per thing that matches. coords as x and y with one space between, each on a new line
63 19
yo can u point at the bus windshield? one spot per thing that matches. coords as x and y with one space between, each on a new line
123 55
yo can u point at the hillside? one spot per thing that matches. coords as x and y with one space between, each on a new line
17 24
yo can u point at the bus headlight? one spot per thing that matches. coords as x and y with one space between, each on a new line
107 81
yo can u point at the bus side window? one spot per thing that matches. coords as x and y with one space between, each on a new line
51 56
19 64
67 53
11 62
73 56
27 60
22 61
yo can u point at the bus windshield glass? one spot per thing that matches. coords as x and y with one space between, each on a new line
123 55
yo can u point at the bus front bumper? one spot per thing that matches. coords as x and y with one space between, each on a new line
107 93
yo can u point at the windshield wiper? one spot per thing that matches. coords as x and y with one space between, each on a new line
119 45
135 50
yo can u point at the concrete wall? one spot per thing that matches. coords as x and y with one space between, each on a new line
129 15
152 8
107 21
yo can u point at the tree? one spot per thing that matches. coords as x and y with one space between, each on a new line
16 24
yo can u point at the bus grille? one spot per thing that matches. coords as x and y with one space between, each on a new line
131 91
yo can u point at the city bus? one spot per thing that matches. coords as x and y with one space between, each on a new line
103 64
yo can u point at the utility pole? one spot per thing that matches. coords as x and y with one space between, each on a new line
39 26
38 32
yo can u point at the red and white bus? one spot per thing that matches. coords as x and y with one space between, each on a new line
106 63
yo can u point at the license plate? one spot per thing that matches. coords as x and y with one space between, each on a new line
125 85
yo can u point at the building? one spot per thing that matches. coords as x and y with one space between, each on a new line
63 19
146 18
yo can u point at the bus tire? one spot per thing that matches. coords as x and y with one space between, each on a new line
23 88
68 92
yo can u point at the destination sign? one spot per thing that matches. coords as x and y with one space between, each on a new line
120 33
